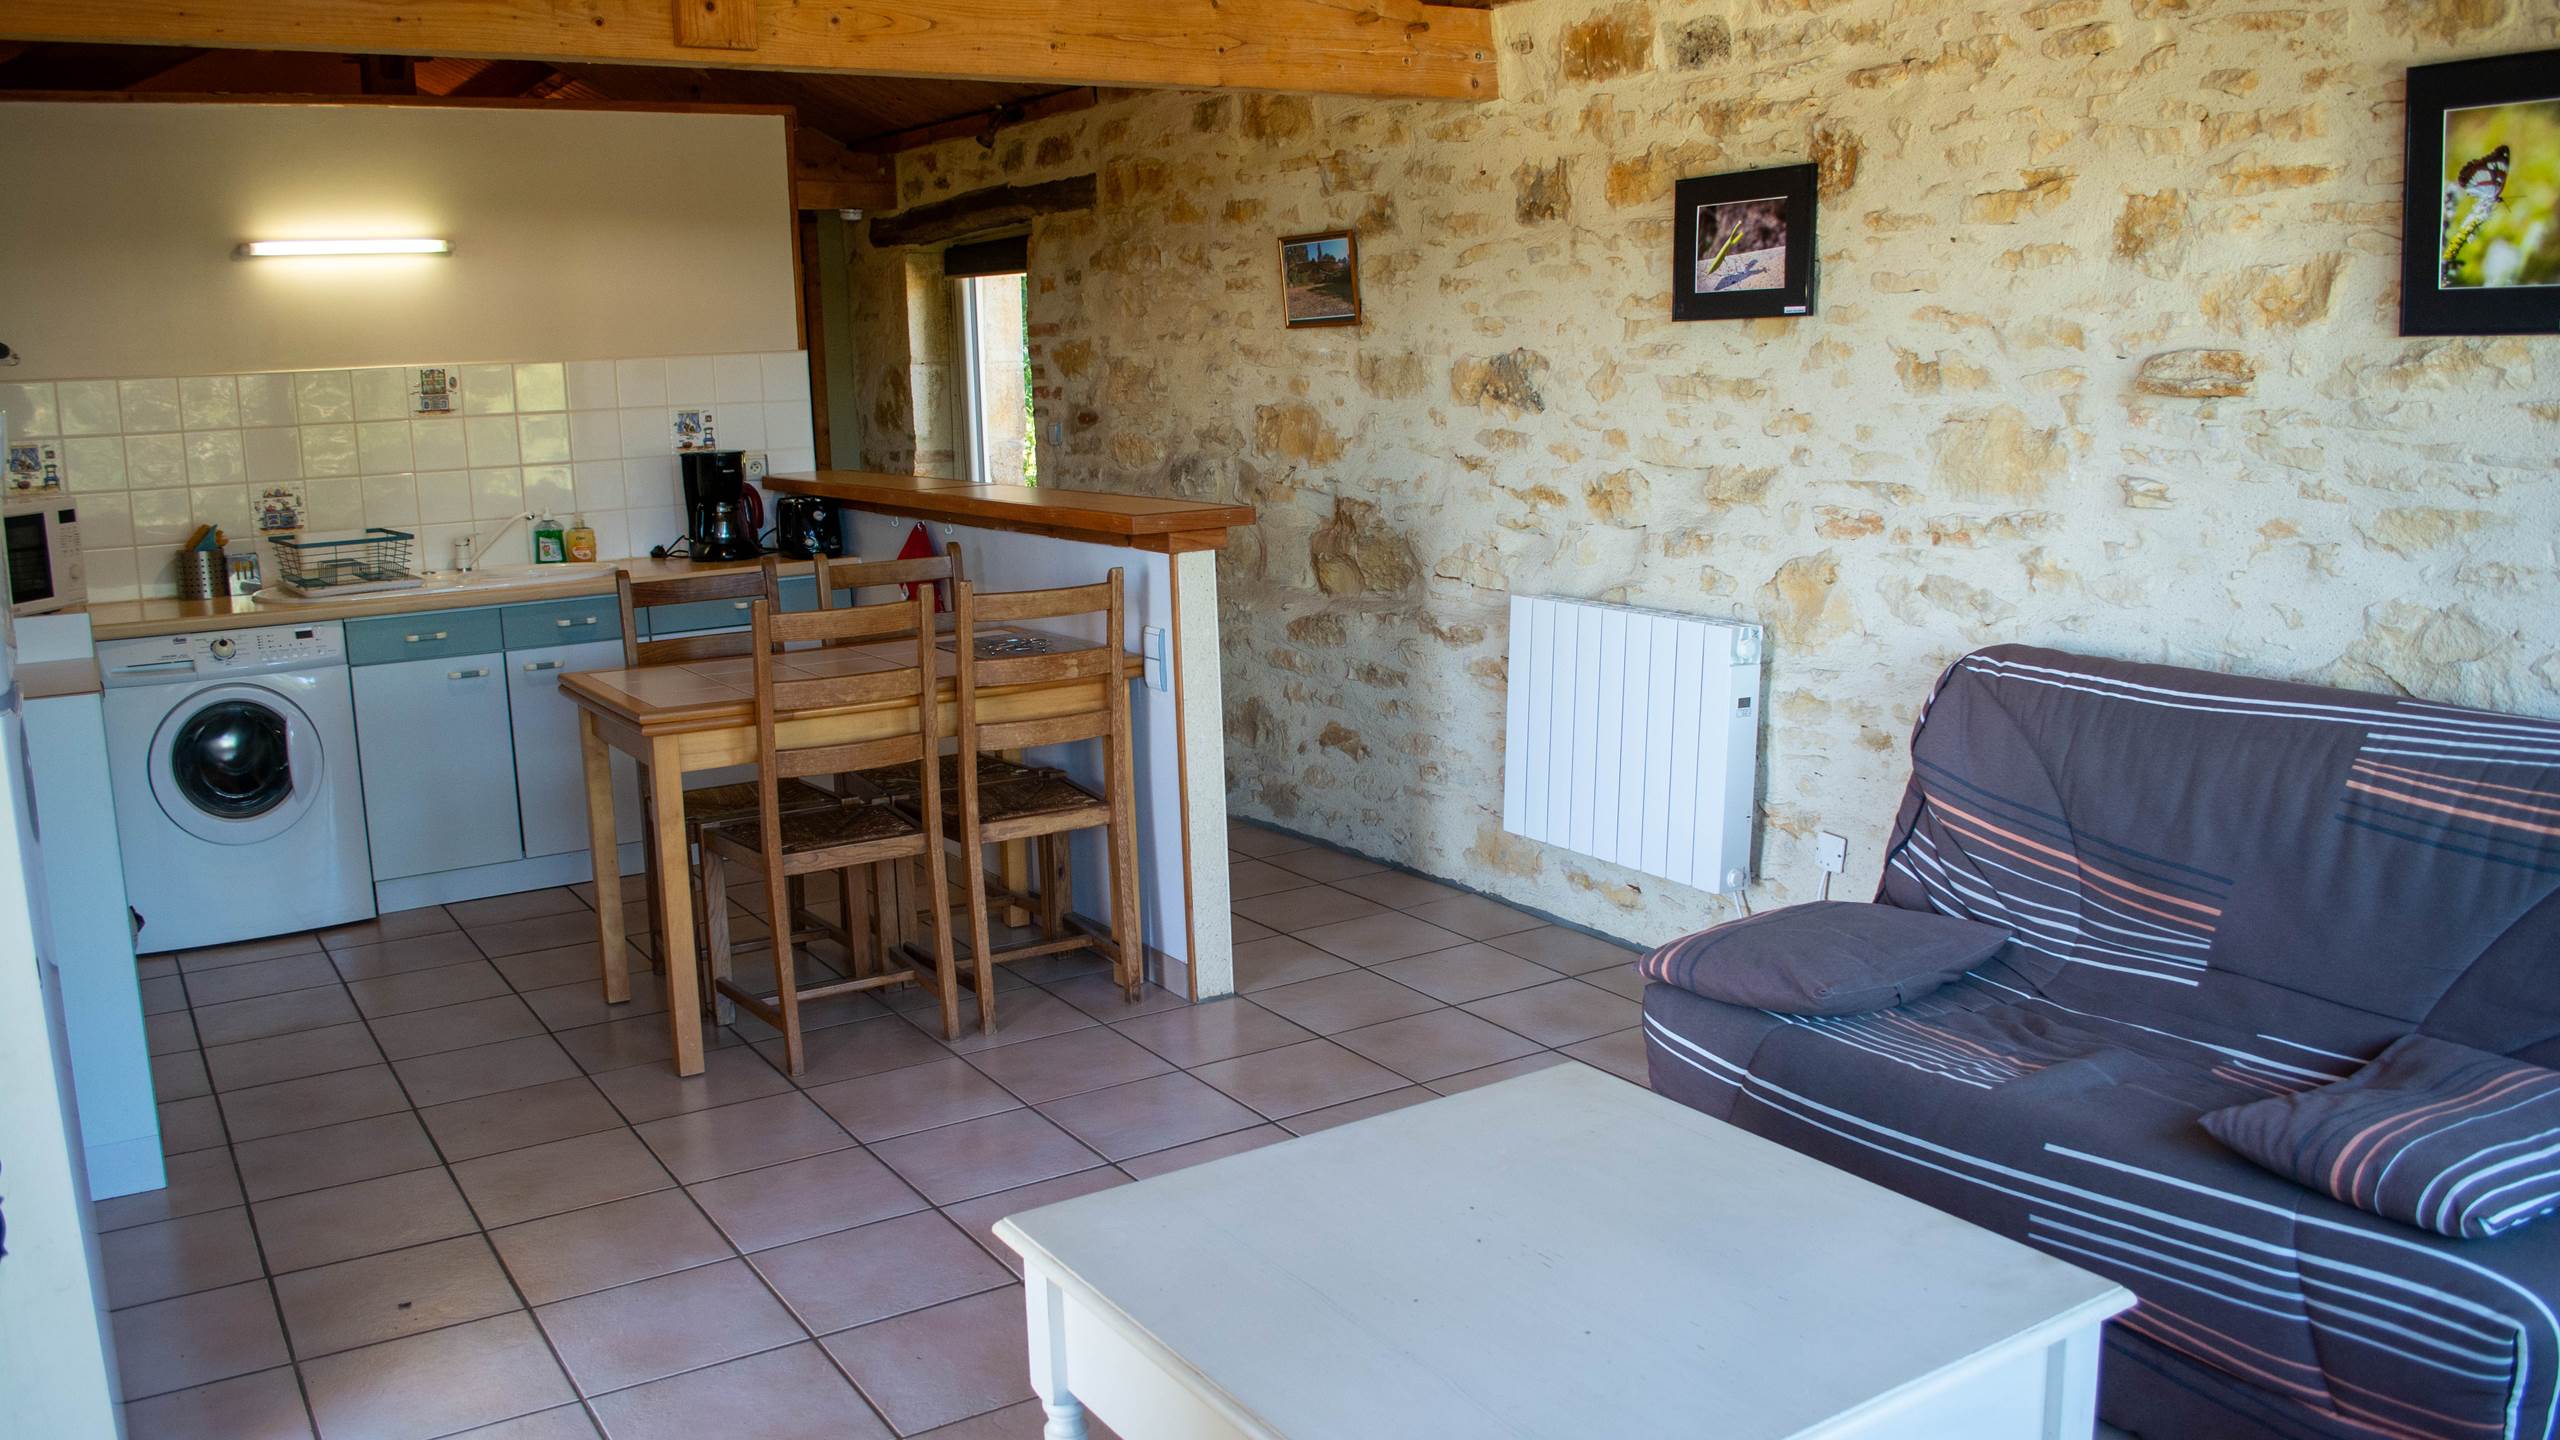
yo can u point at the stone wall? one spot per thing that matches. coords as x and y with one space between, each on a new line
2106 358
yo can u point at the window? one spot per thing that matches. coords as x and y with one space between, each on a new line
995 333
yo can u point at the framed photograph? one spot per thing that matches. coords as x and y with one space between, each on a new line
2480 231
1742 244
1320 279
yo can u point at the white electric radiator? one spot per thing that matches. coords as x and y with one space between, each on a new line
1633 737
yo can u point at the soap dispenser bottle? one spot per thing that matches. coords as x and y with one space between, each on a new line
582 540
549 548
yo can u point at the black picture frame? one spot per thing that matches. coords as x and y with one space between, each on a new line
1791 189
2428 306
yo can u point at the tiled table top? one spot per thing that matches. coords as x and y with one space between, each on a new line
697 688
423 1181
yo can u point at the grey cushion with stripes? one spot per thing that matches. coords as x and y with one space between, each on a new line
1830 957
2431 1134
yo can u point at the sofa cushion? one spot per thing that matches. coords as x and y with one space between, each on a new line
1832 957
2431 1134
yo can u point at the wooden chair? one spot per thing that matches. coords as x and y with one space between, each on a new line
853 573
709 804
847 835
1045 806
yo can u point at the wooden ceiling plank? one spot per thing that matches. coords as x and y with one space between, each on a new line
1379 48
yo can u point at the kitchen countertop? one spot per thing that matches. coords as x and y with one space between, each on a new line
127 619
1101 517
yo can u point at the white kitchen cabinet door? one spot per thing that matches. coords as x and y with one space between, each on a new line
439 764
551 784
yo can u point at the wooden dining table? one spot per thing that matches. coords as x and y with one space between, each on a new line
691 716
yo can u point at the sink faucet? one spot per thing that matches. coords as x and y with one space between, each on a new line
466 544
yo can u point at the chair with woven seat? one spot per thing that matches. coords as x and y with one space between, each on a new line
708 804
1044 806
850 834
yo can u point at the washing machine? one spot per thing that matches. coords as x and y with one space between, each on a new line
233 758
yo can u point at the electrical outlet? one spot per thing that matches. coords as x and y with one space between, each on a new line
757 466
1832 850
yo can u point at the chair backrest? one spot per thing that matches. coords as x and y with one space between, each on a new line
925 573
791 683
978 611
745 584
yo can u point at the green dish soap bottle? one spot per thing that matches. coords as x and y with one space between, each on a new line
549 547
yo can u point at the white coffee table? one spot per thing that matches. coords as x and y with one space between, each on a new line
1562 1255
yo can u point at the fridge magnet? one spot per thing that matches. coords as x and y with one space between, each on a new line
694 431
244 573
35 467
280 508
431 390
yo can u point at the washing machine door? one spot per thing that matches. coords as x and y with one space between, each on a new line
236 764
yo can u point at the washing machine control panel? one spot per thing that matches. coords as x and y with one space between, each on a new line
180 657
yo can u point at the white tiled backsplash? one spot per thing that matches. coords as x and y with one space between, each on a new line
147 461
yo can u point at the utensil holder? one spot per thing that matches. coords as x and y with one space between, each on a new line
203 574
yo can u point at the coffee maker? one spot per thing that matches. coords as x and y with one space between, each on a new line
805 527
722 514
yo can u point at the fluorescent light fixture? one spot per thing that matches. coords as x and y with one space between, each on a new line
276 249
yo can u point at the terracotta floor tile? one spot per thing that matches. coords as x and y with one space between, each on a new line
399 957
1100 996
264 1406
979 1216
261 977
706 1144
654 1328
1151 1114
1239 929
195 1339
936 1366
215 957
1021 1015
175 1077
653 1092
1319 863
1213 1030
1568 952
427 989
513 1119
1376 939
1621 1054
321 1227
436 1383
1528 1064
290 1057
455 1027
1468 972
1314 1120
1436 1043
1620 980
333 1155
853 1277
797 1394
1344 1001
178 1257
541 1180
606 1245
979 1157
634 1040
399 1292
1289 911
169 1034
191 1124
1397 890
1246 838
398 925
311 1102
201 1181
539 932
1298 1078
919 1097
1249 878
1200 1152
559 965
498 909
1025 1421
1475 916
866 1047
1068 1064
163 994
760 1209
1559 1013
578 1003
566 1422
450 1075
283 1014
1282 960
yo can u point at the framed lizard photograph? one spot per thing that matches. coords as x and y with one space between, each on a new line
1742 244
2480 243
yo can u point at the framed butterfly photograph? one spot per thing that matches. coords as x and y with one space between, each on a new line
2480 245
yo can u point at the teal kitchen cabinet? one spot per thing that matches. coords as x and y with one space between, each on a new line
551 782
438 755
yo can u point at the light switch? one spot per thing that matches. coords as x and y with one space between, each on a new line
1159 668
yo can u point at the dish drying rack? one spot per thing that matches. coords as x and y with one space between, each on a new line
352 563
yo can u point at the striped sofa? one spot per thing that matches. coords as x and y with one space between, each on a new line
2217 889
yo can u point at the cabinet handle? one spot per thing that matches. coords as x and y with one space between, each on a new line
481 673
422 639
741 604
565 624
531 665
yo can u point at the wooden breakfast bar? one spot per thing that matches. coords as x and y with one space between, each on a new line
688 718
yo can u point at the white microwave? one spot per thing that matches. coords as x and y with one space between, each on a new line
43 555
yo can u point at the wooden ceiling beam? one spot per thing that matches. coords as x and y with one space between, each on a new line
827 176
1350 47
